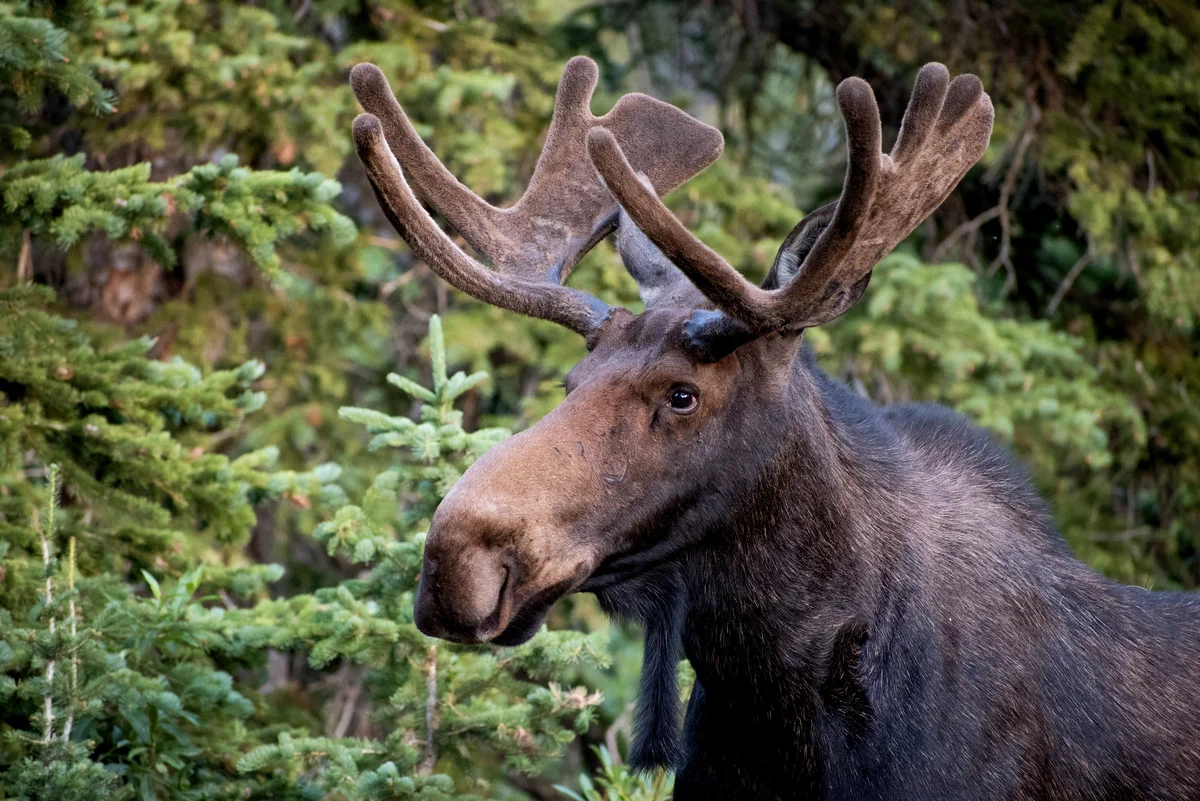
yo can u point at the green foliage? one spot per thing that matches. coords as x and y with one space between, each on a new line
41 662
445 706
923 334
111 694
60 199
148 703
130 435
34 59
439 445
614 782
111 673
1123 212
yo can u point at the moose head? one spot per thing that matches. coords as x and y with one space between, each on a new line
668 418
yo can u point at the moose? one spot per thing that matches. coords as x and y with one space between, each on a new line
874 599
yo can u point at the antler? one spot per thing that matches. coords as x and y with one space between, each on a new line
946 129
564 212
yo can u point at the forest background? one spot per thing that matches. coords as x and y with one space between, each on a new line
230 398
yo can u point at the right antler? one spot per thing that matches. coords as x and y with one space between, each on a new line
945 131
564 212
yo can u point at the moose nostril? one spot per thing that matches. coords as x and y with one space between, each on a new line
465 594
494 623
426 619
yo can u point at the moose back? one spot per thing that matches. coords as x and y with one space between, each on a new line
875 603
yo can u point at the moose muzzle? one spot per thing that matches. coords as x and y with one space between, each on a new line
511 537
465 594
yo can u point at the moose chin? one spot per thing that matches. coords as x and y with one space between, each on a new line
874 600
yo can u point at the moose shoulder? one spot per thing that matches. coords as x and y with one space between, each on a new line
875 602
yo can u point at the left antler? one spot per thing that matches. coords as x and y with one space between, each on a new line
945 131
564 212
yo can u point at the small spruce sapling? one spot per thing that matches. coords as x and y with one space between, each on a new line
40 659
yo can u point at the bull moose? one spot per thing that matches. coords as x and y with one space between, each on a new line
875 601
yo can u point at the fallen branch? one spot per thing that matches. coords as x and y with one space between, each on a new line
969 227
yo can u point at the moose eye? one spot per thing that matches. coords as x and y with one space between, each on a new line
682 400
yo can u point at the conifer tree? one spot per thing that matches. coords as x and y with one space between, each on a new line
109 657
134 660
43 658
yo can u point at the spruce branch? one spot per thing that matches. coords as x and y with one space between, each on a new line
60 199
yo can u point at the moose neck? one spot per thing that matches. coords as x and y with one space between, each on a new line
802 555
777 571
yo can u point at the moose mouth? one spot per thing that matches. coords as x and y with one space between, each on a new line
514 622
528 619
524 624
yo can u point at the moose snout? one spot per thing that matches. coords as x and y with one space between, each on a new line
502 546
464 595
469 577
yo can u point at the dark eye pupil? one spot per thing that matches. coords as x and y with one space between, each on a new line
682 399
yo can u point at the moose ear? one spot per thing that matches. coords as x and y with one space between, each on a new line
657 278
790 259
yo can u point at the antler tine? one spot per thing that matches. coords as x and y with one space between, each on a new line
711 274
924 107
946 129
461 207
757 309
575 310
563 212
864 164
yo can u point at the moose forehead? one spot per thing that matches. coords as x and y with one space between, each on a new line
652 342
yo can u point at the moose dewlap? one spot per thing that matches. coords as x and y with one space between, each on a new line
875 602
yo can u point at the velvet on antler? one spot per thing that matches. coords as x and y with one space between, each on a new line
564 212
945 131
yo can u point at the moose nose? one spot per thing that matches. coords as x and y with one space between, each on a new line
464 595
482 549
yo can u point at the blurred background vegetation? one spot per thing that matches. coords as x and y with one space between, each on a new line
227 410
